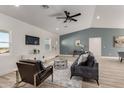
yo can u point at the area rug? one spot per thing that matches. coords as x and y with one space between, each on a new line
61 78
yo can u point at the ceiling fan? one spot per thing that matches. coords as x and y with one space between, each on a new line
69 17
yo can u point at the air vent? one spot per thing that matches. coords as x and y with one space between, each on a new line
45 6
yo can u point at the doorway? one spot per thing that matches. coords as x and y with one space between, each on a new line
95 46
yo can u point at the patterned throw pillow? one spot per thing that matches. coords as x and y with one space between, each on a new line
83 58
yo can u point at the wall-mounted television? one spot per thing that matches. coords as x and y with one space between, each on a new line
32 40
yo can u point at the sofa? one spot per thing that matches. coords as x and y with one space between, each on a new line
87 70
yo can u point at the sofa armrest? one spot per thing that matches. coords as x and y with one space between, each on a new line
96 66
43 74
37 75
42 71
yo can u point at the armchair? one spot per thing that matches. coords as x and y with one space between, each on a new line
31 72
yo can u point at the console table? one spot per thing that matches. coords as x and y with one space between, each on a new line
77 52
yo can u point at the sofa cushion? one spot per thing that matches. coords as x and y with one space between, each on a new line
90 61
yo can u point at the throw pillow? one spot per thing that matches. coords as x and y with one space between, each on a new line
82 58
90 61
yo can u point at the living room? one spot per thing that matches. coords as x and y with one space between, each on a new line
57 39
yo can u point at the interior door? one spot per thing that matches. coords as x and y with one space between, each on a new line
95 46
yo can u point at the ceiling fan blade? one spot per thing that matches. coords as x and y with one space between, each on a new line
74 19
60 17
76 15
65 20
66 13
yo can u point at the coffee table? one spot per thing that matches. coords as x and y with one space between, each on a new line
60 64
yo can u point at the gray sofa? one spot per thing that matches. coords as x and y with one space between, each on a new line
86 70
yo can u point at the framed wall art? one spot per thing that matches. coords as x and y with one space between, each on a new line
118 41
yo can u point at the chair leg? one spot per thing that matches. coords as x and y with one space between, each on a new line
17 79
70 77
97 82
52 77
121 60
35 84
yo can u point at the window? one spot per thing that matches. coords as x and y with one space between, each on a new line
48 44
4 42
56 45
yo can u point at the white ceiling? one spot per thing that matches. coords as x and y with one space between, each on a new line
46 18
110 16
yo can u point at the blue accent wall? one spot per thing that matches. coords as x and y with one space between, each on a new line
67 41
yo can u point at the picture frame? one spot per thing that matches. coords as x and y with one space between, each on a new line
118 41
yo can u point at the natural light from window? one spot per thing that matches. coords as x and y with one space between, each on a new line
48 45
4 42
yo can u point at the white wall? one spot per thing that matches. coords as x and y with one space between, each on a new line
18 30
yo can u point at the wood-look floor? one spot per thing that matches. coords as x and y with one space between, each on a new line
111 73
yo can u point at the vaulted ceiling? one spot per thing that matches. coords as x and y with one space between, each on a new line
92 16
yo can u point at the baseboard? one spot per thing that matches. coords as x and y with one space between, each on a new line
101 56
109 57
65 55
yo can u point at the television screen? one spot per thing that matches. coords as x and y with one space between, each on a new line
32 40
